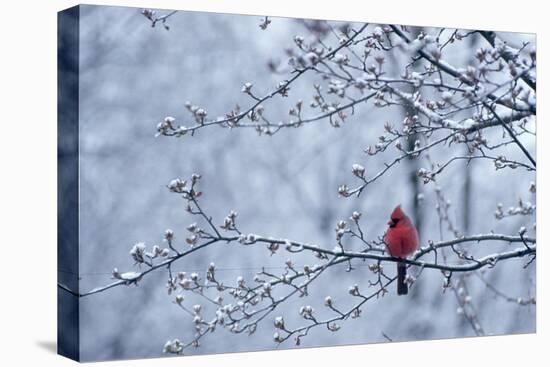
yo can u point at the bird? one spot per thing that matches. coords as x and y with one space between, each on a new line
401 240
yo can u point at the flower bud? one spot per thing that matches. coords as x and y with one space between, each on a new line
279 322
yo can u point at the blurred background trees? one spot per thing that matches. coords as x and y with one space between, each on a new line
420 109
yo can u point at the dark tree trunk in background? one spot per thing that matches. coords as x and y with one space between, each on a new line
412 165
466 197
416 190
413 182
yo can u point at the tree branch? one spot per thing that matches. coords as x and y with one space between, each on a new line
511 133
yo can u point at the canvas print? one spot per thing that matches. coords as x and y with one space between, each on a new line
233 183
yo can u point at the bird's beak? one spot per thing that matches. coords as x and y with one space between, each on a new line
390 222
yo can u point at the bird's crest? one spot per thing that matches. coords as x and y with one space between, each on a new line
397 213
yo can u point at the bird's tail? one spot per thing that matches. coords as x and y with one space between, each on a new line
402 287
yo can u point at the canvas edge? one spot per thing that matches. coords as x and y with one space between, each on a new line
68 312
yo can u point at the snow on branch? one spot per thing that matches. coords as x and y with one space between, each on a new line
357 74
351 70
250 305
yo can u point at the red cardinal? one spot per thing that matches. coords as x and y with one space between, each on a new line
401 240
